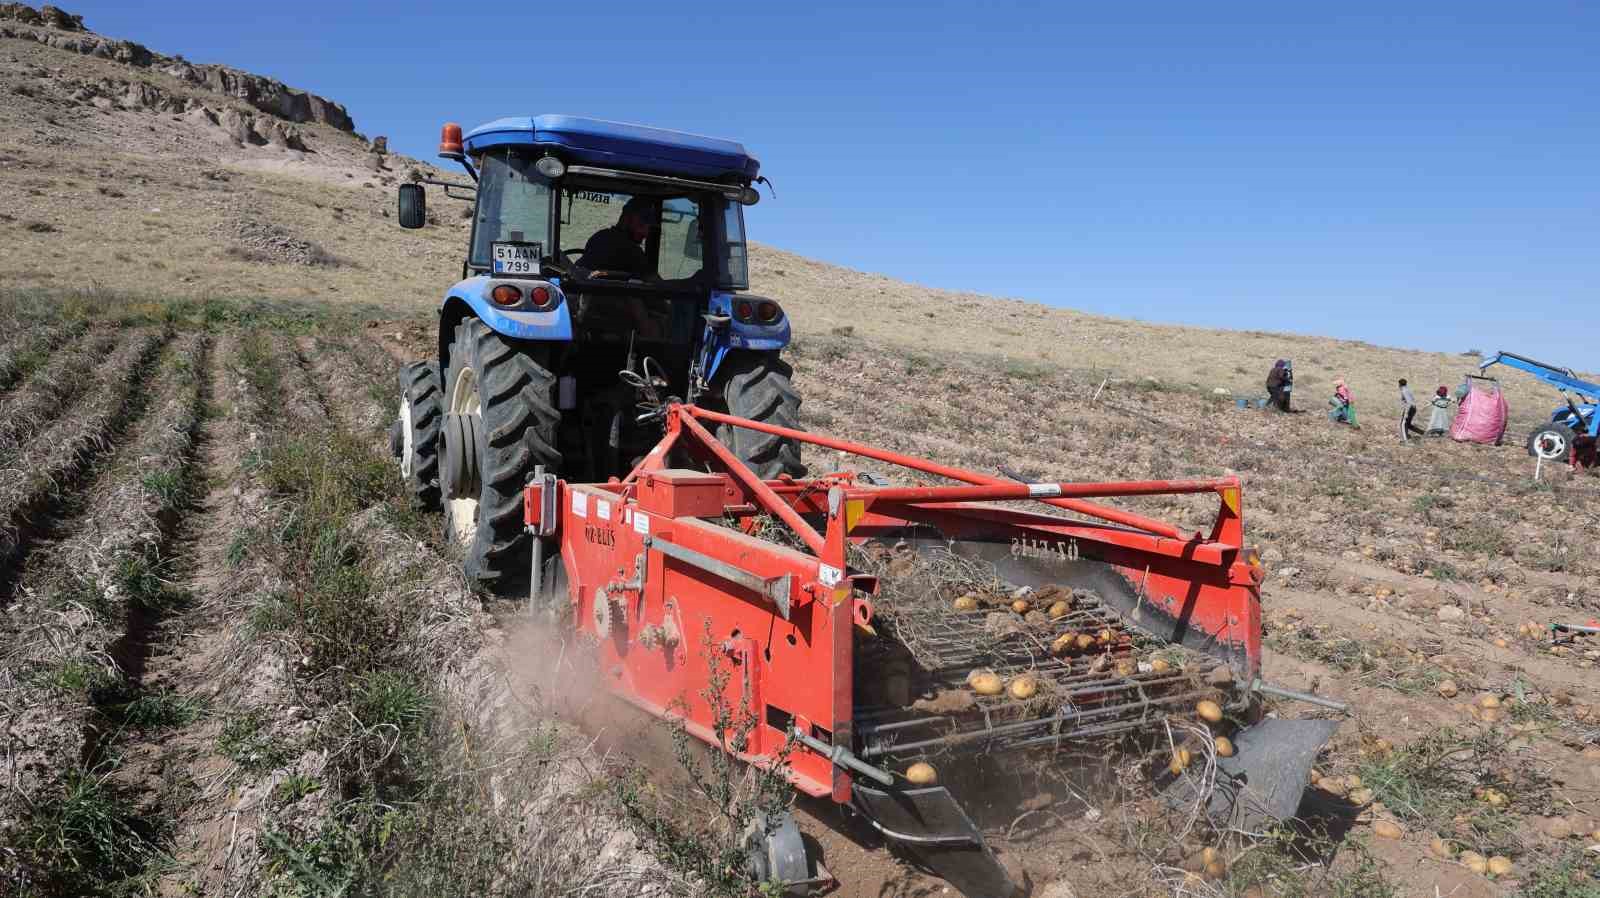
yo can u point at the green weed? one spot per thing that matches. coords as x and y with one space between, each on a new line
84 836
156 710
247 741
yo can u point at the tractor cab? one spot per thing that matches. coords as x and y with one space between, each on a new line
608 263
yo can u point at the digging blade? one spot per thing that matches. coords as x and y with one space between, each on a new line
933 826
1266 777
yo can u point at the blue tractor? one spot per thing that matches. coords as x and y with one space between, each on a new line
605 275
1573 426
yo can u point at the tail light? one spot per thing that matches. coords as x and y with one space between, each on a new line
505 295
744 310
543 298
767 312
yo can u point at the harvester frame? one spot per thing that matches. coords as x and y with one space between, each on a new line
679 558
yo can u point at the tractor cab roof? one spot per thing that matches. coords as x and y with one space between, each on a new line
590 141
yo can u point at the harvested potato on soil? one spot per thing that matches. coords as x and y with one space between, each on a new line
1160 665
1500 865
1447 688
1224 747
1024 687
1085 641
1441 849
1474 861
985 682
922 774
1387 829
1021 606
966 603
1060 610
1488 701
1180 761
1209 711
1125 667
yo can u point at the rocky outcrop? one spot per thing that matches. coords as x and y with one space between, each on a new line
62 31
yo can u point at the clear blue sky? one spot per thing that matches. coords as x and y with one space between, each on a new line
1423 174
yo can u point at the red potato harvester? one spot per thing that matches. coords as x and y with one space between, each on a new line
650 563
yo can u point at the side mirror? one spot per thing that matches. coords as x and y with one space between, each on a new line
413 206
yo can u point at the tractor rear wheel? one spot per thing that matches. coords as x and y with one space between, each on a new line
756 385
1552 441
416 431
501 421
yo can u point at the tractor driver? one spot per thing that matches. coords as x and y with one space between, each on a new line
617 248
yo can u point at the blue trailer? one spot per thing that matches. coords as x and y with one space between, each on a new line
1573 425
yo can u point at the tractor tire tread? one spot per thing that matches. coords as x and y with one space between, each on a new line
520 421
759 386
419 382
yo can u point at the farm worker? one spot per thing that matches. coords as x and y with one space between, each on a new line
1344 409
1408 411
617 248
1439 420
1279 380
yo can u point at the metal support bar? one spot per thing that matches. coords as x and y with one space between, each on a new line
843 757
777 589
1115 516
754 484
1281 692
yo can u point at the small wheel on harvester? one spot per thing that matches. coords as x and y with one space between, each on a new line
500 422
1551 442
414 438
756 385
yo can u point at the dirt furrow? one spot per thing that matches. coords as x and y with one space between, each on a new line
55 464
28 348
48 396
75 654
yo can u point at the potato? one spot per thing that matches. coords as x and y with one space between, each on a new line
1447 688
1021 606
1060 610
1441 848
1488 701
966 603
1024 687
1160 665
1064 643
1105 637
1361 796
1209 711
1474 861
1224 747
1126 667
985 682
922 774
1085 641
1501 643
1180 761
1387 829
1500 865
1558 828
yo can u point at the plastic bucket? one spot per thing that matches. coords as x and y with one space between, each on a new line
1262 403
1242 403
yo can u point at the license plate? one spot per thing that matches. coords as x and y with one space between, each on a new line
517 258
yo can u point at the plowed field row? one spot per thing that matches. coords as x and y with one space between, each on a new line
79 626
28 346
53 463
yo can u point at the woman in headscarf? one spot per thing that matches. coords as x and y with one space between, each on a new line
1344 410
1439 420
1275 383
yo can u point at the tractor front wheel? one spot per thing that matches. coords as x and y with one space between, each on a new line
500 422
1552 441
756 385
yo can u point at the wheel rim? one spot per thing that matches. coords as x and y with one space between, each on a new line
1550 445
408 440
463 512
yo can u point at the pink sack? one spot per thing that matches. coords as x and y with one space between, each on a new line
1482 418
